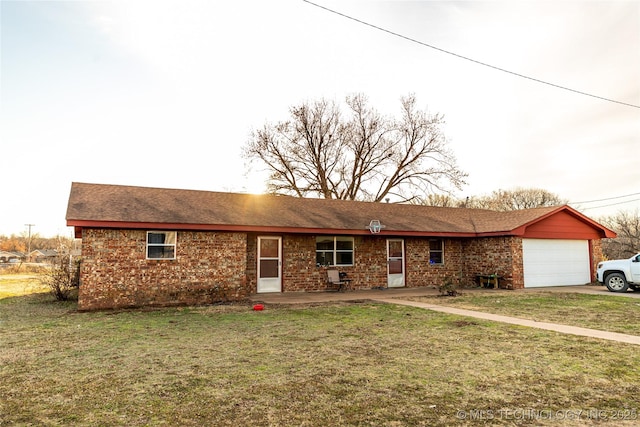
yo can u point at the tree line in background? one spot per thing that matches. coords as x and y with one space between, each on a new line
627 225
499 200
20 243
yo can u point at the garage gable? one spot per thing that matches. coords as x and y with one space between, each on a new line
564 224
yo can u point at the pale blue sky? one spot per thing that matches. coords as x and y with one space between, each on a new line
165 93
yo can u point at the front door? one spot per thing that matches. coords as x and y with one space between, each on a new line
395 263
269 264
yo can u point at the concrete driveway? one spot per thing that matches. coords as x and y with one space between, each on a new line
585 289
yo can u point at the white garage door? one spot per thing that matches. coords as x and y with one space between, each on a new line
555 262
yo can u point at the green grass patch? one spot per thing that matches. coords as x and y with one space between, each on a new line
340 364
604 312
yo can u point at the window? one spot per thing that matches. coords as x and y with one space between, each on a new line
436 251
161 245
334 250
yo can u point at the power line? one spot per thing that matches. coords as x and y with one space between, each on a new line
608 198
611 204
467 58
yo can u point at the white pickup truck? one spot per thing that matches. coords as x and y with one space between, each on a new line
621 274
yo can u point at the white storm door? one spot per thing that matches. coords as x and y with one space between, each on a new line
395 263
269 264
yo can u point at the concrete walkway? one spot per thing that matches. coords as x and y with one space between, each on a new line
565 329
400 296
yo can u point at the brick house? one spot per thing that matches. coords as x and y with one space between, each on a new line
151 246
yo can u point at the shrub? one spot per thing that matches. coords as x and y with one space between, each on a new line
449 287
62 277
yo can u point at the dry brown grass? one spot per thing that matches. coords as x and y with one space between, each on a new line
17 284
341 364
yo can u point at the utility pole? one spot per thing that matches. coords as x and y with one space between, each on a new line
29 241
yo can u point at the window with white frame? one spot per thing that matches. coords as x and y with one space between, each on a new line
334 250
436 251
161 244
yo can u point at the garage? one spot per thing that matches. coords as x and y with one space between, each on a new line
550 262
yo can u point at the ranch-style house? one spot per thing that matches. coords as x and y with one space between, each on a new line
157 247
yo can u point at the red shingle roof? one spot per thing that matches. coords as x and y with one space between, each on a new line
99 205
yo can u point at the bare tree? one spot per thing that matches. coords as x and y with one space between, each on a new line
364 156
627 226
440 200
516 199
19 243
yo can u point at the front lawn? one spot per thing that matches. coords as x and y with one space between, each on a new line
339 364
605 312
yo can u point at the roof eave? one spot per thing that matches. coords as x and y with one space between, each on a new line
81 224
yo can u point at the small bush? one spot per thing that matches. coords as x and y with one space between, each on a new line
62 277
449 287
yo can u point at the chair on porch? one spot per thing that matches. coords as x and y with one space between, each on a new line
334 278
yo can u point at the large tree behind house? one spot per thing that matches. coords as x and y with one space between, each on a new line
357 154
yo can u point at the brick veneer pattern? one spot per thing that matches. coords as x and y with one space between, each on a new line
213 266
209 267
494 255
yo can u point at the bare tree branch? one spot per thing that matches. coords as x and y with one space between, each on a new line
364 156
516 199
627 226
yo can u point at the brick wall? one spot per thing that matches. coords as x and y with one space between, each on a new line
596 256
419 270
494 255
300 272
209 267
370 263
299 264
213 266
517 263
